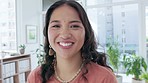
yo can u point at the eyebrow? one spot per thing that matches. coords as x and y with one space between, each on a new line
54 21
77 21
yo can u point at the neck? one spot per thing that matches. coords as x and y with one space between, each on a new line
66 68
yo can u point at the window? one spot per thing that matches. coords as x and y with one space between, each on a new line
95 2
8 26
146 18
118 22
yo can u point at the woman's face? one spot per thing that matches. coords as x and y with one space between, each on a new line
66 32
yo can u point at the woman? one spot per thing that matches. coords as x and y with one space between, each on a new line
70 48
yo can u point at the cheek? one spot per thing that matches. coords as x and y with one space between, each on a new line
82 36
51 35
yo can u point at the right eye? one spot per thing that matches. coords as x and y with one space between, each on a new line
56 26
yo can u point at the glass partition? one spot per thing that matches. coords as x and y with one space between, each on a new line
95 2
7 26
117 22
146 17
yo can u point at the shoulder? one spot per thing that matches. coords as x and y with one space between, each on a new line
99 69
34 76
100 73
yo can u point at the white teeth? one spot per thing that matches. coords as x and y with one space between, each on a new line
65 44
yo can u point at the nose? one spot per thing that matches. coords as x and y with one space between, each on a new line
65 33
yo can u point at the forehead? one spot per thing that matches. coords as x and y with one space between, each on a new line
65 12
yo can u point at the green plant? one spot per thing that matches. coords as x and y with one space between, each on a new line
114 55
134 65
144 76
40 54
22 46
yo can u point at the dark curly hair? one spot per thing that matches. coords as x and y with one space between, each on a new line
88 50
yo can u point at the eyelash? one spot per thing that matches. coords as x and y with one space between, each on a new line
74 26
55 26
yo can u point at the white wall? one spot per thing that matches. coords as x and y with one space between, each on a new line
29 13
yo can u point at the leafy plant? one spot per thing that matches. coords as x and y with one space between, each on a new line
40 54
134 65
144 76
22 46
114 55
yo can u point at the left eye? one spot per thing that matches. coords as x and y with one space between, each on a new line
74 26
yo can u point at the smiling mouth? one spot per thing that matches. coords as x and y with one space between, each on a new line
65 44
